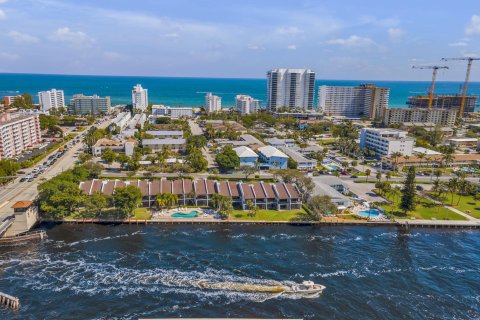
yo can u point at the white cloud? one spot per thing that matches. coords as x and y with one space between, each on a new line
73 38
255 47
20 38
3 1
3 15
473 26
458 44
292 47
114 56
288 31
9 56
353 41
395 34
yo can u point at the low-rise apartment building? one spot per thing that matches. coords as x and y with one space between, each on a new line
272 158
173 112
248 158
302 162
18 133
158 144
386 141
443 117
165 134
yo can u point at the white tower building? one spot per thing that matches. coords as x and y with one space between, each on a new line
292 88
51 99
139 98
246 104
212 103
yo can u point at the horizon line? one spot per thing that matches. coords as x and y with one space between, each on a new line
206 77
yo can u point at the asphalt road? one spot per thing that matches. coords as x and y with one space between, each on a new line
16 190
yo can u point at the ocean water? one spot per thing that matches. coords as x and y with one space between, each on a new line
131 272
191 91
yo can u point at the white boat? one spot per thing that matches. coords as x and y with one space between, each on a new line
306 287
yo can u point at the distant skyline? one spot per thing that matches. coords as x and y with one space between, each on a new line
239 39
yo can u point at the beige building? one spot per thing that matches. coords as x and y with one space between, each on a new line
442 117
26 216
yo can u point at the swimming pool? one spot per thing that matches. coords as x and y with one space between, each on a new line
369 213
191 214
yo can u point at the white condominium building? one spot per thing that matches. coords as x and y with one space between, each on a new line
51 99
91 105
212 103
386 141
365 100
443 117
246 104
292 88
18 133
139 98
173 112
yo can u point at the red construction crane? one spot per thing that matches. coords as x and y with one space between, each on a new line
465 85
434 76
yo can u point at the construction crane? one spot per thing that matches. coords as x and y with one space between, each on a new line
434 76
465 85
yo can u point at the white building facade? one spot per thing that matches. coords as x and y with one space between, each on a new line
212 103
365 100
51 99
292 88
386 141
246 104
173 112
139 98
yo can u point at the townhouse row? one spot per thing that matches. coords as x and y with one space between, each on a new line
273 196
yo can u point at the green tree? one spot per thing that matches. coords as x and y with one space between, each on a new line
227 159
24 101
248 171
84 157
108 155
367 174
126 199
407 202
196 160
378 176
292 164
223 205
96 203
452 187
167 200
252 208
320 206
94 169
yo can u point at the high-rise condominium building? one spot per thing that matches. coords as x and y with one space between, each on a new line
90 104
246 104
292 88
51 99
139 98
212 103
365 100
17 133
443 117
452 101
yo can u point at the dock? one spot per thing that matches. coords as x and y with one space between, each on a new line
9 301
404 224
26 236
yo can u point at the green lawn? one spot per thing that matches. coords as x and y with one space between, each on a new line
425 209
141 214
269 215
467 204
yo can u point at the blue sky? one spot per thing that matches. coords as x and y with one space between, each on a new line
232 38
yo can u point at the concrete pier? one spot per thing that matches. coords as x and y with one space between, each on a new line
9 301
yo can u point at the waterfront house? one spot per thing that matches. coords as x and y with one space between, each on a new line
247 156
272 158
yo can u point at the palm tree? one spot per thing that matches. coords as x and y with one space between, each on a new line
447 157
378 176
388 175
452 186
395 156
367 173
345 165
